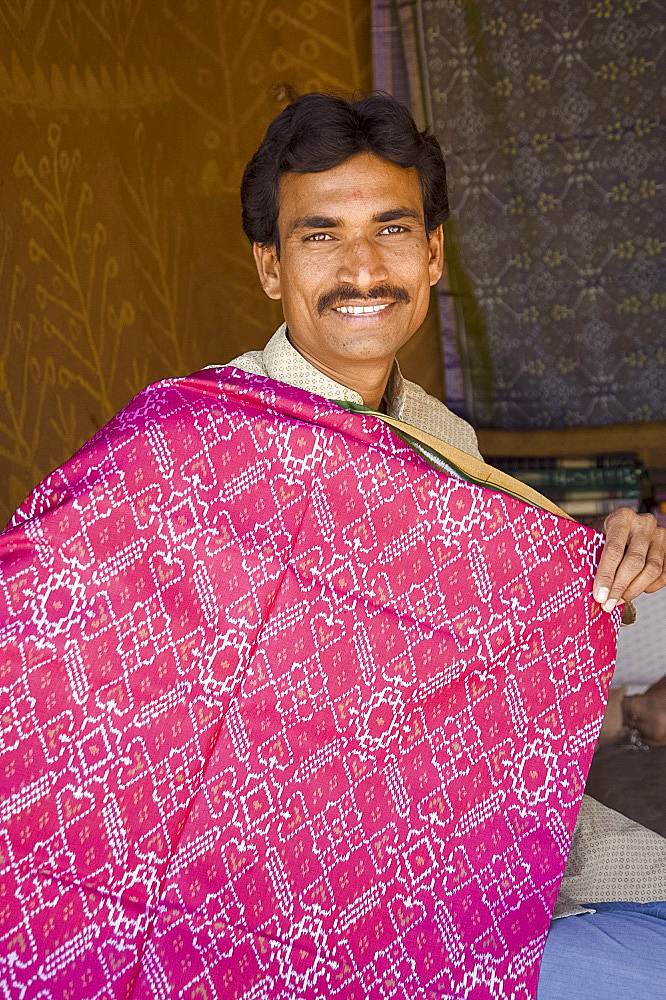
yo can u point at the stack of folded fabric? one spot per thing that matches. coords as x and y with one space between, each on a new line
588 488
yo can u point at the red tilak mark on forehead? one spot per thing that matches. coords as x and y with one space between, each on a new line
357 194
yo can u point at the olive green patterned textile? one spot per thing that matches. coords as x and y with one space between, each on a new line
125 128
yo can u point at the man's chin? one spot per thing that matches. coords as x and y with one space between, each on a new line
335 338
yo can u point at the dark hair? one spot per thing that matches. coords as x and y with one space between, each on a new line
318 132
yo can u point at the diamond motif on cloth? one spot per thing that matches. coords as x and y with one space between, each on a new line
285 711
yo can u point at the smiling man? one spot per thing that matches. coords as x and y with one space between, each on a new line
285 710
344 204
354 276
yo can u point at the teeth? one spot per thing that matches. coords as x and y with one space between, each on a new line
359 310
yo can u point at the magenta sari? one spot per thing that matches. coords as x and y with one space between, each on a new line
286 712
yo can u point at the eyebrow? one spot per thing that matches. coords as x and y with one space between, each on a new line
314 222
328 222
397 213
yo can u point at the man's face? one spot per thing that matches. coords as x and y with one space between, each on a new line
356 263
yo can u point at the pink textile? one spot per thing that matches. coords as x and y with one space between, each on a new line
286 713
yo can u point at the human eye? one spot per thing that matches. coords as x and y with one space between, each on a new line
317 238
393 229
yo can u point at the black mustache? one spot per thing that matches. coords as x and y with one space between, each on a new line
345 293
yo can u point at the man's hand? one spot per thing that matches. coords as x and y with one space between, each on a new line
633 560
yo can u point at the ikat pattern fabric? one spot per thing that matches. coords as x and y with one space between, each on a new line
551 119
286 713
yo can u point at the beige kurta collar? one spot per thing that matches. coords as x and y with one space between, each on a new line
285 364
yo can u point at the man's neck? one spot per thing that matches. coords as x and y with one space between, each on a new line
369 379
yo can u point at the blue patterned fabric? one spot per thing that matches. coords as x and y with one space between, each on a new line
549 115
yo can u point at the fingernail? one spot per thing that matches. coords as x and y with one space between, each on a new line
609 605
601 595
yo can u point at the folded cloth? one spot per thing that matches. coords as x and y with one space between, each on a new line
286 711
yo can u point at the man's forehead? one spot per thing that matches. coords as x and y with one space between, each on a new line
363 182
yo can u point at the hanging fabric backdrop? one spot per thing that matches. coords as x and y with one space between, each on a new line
549 117
125 129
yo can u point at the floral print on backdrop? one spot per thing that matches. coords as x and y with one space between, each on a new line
125 129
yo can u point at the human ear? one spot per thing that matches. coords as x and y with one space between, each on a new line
268 269
435 254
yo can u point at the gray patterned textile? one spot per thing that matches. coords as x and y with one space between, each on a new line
550 119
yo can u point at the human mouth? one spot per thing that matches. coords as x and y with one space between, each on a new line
346 300
362 310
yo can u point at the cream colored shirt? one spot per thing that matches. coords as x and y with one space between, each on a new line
611 858
404 399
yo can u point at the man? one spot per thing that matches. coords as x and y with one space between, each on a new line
344 204
352 252
268 729
347 233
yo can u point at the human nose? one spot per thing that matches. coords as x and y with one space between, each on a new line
362 264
